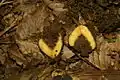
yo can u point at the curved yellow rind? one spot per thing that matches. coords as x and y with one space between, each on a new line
51 52
74 35
81 30
87 34
44 47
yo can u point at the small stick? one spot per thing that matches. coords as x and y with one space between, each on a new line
3 2
86 61
14 24
7 29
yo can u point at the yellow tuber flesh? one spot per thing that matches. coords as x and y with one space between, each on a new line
81 30
52 53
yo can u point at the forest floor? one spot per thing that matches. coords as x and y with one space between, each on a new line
23 21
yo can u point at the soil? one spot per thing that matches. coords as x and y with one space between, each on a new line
24 22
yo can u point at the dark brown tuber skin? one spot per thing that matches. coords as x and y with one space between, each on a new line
83 46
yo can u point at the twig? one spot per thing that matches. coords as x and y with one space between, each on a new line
3 2
14 24
86 61
83 59
8 28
